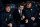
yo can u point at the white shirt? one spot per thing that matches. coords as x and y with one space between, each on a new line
19 12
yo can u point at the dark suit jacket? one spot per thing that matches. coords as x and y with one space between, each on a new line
17 17
4 16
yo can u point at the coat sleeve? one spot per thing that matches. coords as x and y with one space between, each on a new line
2 17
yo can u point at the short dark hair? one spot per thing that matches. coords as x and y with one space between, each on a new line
28 2
7 6
22 4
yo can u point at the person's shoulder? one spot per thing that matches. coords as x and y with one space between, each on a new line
24 10
15 10
3 13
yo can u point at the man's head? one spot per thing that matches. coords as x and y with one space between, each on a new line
29 4
8 8
21 6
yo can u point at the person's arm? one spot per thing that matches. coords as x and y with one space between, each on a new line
16 18
25 17
3 19
34 15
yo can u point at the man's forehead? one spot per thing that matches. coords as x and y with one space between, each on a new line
21 6
8 7
29 3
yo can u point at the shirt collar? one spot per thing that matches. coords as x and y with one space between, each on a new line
19 10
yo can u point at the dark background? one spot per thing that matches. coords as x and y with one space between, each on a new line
16 1
2 2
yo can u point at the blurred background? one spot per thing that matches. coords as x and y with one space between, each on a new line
14 3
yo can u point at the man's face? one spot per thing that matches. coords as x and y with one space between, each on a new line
29 5
8 9
21 7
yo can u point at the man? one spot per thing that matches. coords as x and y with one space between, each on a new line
30 12
7 17
19 16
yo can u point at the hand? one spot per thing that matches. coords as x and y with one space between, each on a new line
23 17
26 21
39 13
33 18
10 24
